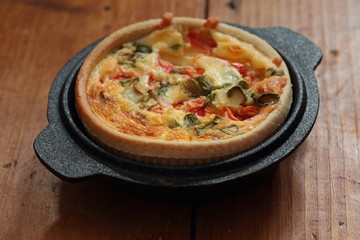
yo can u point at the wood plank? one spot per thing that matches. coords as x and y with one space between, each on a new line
37 39
315 193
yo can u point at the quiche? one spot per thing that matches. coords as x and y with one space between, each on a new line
182 91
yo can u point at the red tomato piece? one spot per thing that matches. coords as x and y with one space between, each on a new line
240 67
156 109
102 79
202 42
151 80
211 22
242 113
193 72
166 21
200 111
122 75
166 66
189 71
196 106
177 106
247 112
229 113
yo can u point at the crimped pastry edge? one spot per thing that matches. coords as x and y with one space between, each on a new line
172 152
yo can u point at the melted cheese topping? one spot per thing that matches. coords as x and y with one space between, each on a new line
181 84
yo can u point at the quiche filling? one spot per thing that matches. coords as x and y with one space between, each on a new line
184 84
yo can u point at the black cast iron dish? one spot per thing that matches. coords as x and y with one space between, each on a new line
65 149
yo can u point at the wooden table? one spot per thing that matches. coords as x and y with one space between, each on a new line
312 194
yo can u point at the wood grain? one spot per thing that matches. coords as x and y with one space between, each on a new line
37 39
313 194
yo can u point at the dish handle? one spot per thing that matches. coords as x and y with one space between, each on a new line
55 149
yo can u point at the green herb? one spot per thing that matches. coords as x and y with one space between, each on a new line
249 93
271 71
133 94
174 124
204 83
191 119
277 72
126 59
210 97
130 81
199 86
176 47
143 49
201 131
255 96
161 91
268 72
268 99
130 90
217 119
177 71
152 94
244 85
230 130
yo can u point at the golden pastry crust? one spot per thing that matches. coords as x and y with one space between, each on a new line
160 144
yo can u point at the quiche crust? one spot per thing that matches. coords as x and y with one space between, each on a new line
164 152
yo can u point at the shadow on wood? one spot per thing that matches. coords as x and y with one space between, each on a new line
101 208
